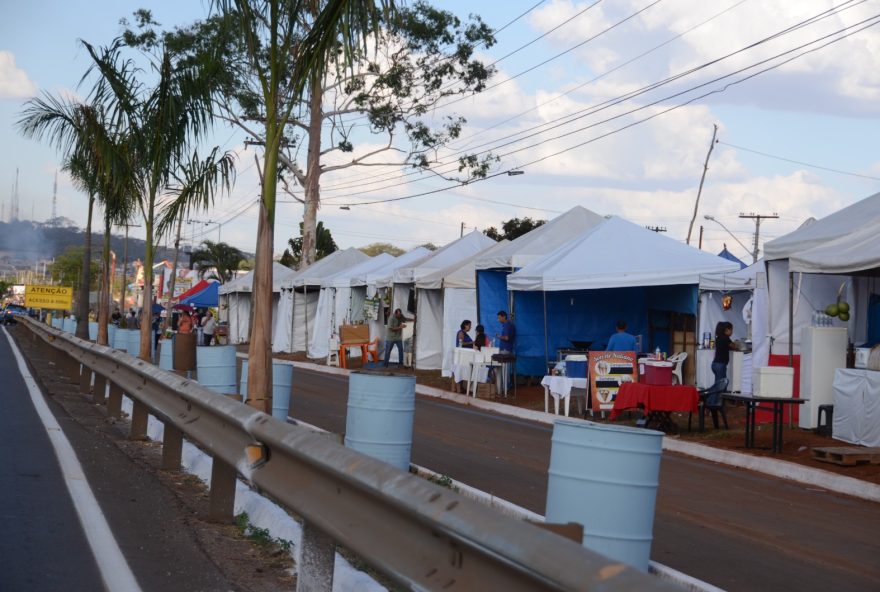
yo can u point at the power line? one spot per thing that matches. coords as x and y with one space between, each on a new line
598 107
815 166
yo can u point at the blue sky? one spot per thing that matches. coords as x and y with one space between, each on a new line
821 109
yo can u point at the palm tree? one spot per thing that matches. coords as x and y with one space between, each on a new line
161 123
286 60
222 257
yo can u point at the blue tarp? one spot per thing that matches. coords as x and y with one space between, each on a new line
207 298
492 294
587 315
725 254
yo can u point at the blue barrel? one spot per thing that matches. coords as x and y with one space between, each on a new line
120 339
111 334
216 367
58 323
380 416
133 347
605 477
282 379
166 354
93 330
69 325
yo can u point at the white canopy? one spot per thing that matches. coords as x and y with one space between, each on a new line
453 253
461 274
540 241
854 252
385 272
333 263
840 224
743 279
618 254
344 278
245 283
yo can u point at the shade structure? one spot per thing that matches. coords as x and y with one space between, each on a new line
237 298
207 297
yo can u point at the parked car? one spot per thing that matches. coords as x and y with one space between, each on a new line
10 312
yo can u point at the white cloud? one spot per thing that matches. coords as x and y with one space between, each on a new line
14 82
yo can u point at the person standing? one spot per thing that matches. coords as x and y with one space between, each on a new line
723 345
508 333
131 321
116 317
209 325
394 336
157 330
184 323
621 341
481 340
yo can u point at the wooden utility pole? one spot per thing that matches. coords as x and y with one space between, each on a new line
702 180
757 218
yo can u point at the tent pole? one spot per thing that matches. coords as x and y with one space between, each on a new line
790 335
546 345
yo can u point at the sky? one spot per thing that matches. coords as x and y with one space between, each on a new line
576 104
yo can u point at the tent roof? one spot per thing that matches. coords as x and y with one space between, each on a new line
453 253
457 275
385 272
245 283
335 262
725 254
618 254
864 213
744 279
542 240
851 253
204 298
343 278
195 289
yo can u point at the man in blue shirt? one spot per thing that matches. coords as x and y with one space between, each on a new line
508 333
621 341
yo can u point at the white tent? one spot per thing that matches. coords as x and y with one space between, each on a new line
237 297
337 304
299 299
428 349
740 287
540 241
454 287
618 254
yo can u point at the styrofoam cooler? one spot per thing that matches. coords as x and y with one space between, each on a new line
576 366
774 381
658 372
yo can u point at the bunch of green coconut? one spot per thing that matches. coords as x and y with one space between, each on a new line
839 309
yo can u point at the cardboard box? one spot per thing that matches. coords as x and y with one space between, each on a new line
774 381
354 334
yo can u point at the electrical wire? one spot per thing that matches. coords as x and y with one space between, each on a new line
815 166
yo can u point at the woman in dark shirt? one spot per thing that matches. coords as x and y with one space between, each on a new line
723 345
481 341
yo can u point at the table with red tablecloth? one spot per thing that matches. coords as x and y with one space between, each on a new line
655 398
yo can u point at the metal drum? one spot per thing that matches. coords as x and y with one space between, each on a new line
605 477
111 334
69 325
216 367
282 380
93 330
380 416
166 354
120 339
133 346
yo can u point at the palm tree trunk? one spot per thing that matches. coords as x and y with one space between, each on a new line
82 305
147 302
106 281
169 308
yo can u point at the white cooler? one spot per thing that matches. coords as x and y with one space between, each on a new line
774 381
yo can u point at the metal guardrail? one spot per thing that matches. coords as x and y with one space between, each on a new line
421 535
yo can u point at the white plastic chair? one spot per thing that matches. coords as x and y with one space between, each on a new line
482 359
678 359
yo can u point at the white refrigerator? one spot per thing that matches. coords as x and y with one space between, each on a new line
823 350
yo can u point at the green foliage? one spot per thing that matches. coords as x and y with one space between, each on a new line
442 481
429 246
224 258
260 536
66 269
325 245
513 228
374 249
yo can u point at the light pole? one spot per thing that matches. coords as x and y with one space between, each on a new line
713 219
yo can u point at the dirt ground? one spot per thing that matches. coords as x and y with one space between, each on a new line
797 443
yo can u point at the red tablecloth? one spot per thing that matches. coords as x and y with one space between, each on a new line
633 395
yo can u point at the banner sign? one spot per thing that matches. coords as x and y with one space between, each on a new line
52 297
608 370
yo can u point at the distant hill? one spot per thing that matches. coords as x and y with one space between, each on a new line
32 241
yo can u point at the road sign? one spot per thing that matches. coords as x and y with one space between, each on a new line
52 297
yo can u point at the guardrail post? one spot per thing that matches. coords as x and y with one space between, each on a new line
139 418
70 367
114 401
99 393
85 380
172 447
222 502
315 565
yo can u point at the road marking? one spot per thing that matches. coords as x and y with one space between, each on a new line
111 562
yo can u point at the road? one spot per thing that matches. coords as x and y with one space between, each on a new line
732 528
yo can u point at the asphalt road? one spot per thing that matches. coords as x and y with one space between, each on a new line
732 528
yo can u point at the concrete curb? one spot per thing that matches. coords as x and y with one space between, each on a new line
815 478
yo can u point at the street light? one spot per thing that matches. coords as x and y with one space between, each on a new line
713 219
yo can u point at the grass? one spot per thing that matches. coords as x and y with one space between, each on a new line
260 536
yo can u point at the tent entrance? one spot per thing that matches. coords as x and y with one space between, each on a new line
674 332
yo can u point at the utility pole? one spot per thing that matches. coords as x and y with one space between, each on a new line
462 230
757 218
702 180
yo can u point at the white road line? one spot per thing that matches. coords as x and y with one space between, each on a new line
114 569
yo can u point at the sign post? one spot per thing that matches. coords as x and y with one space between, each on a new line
51 297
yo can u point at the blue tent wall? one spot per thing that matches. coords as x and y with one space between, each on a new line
492 297
207 298
588 315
